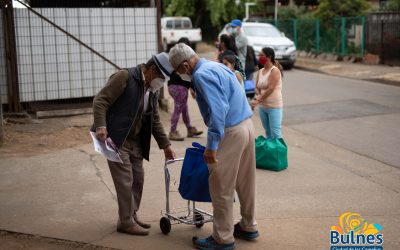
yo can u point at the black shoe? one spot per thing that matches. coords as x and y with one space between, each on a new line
239 233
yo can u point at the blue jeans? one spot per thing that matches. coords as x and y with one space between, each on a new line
271 119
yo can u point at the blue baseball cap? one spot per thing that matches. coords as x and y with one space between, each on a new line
236 23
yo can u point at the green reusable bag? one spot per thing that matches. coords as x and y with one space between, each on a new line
271 154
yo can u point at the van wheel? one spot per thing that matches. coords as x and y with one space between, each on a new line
289 66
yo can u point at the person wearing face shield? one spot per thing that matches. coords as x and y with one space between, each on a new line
230 151
126 111
240 39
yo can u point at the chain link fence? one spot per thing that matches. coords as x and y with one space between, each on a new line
342 36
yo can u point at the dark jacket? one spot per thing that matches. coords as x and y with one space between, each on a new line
175 79
251 61
119 107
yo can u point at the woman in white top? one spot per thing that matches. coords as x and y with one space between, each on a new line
269 95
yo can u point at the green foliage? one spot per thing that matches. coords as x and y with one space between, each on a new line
218 11
223 11
306 32
341 8
287 13
292 12
180 8
392 5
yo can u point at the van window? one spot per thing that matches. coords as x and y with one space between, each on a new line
169 24
186 24
178 24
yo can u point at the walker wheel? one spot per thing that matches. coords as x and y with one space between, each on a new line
165 225
198 217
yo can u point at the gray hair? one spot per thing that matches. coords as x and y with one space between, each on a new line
179 53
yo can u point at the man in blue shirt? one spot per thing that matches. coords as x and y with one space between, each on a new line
230 153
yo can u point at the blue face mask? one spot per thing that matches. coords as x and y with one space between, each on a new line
233 31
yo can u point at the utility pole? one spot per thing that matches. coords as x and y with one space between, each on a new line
247 6
276 11
1 123
11 55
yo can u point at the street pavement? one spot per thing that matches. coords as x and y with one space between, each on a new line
376 73
70 195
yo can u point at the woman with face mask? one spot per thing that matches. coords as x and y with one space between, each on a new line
269 94
178 89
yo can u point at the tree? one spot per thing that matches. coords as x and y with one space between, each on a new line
392 5
341 8
306 2
209 15
218 11
293 12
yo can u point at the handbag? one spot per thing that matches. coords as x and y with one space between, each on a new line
193 184
271 154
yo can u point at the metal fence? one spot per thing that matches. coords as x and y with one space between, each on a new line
52 65
343 36
383 36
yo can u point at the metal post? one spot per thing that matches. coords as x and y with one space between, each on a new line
163 102
14 104
295 32
343 31
1 103
382 54
276 11
247 6
1 123
159 35
317 35
363 35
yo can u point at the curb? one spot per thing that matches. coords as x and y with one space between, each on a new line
374 80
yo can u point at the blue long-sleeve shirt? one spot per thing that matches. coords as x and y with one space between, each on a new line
221 99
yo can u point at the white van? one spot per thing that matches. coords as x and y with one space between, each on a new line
175 28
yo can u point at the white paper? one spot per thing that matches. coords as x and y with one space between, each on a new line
106 148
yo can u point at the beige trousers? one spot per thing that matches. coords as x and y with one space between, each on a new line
235 170
128 178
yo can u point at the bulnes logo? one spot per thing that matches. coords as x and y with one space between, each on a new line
355 233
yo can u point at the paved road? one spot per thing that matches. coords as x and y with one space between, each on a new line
360 116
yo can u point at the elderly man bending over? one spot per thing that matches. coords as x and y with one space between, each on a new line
230 145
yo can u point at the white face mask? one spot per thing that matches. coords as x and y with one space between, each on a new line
156 84
185 77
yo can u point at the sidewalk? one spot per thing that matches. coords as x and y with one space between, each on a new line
376 73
